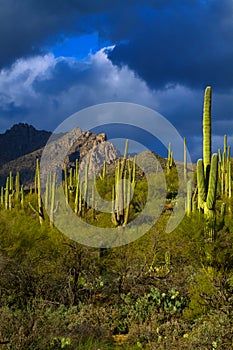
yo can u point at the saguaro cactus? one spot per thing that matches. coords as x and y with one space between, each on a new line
40 210
77 188
207 170
2 196
189 198
52 204
86 185
22 197
17 186
224 170
7 194
66 184
185 160
103 175
169 158
207 130
125 181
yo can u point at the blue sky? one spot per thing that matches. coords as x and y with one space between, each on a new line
78 46
161 54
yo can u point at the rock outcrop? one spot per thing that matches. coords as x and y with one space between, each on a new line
60 150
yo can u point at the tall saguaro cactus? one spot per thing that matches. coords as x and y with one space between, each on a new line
52 204
189 198
185 160
40 210
7 194
207 130
207 170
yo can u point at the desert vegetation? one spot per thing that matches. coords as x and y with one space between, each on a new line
162 291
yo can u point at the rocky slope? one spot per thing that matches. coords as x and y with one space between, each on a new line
64 149
21 139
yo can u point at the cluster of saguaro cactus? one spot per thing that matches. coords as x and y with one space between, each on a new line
214 177
214 173
76 191
49 197
123 189
12 193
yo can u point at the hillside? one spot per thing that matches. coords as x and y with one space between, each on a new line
23 160
20 140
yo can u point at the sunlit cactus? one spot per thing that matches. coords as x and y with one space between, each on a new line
7 194
125 181
52 203
185 160
207 130
189 198
17 186
40 210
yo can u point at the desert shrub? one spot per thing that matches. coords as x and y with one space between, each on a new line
40 326
213 331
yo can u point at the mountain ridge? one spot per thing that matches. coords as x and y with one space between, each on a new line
85 142
20 140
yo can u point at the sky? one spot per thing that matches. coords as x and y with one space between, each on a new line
60 56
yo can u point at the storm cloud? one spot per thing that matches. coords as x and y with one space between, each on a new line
190 45
44 90
163 55
27 26
164 42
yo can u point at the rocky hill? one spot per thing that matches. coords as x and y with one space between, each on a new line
21 139
74 145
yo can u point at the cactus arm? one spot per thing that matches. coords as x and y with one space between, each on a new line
211 197
201 183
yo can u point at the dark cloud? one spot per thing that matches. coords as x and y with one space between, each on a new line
27 25
189 45
187 42
172 48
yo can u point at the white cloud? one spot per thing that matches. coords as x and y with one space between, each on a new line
45 90
49 89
